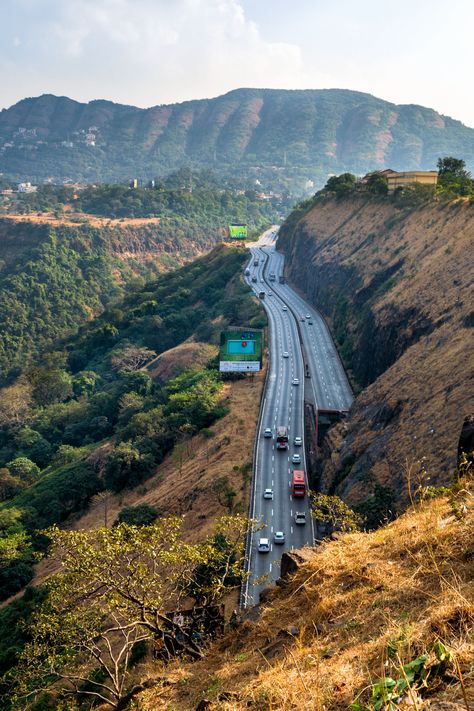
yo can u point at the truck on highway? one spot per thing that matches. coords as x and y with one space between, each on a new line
272 277
282 437
298 483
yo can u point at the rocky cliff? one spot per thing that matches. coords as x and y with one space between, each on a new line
395 283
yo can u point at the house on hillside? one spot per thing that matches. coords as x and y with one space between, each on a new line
401 179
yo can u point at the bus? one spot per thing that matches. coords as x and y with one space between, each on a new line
298 483
282 437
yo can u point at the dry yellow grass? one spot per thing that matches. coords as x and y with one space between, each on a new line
326 635
74 219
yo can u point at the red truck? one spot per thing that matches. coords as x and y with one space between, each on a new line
298 483
282 437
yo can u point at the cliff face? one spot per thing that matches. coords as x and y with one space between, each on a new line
396 286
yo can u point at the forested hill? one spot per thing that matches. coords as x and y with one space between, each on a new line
303 133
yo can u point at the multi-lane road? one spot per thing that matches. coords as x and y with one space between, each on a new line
299 343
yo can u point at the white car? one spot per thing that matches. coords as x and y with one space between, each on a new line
300 518
285 354
284 308
278 537
296 381
298 442
267 432
296 459
308 315
263 545
268 494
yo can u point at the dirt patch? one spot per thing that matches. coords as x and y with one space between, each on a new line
80 218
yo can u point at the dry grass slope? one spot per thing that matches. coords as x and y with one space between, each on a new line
363 606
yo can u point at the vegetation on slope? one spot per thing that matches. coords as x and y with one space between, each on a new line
370 621
304 134
52 279
90 418
393 277
182 198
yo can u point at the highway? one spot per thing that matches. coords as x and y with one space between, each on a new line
283 404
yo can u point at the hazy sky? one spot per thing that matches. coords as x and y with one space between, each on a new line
148 52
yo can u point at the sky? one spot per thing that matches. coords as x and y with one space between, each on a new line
148 52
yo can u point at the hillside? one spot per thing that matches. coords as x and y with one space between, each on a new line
298 134
55 275
395 282
89 417
390 610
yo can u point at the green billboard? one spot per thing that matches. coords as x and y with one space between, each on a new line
237 231
241 350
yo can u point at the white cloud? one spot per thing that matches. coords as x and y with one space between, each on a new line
148 51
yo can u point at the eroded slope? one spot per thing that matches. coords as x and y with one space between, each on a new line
396 284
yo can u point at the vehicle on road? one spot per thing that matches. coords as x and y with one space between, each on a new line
261 294
247 272
254 279
298 442
268 494
278 537
285 354
284 308
300 518
281 279
295 381
263 545
267 432
296 458
308 315
255 263
282 437
298 483
272 277
310 323
303 319
269 293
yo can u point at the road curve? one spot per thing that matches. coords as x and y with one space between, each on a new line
283 405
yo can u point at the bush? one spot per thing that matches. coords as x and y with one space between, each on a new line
141 515
23 469
127 467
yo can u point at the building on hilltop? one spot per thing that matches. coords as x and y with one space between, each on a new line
401 179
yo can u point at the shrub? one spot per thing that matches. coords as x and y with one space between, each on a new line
141 515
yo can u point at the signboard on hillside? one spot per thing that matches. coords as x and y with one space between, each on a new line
238 231
241 350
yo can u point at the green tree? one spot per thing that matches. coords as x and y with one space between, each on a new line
116 587
23 469
141 515
341 185
453 177
126 467
14 541
377 184
50 385
335 512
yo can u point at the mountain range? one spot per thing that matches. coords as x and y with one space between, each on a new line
276 135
